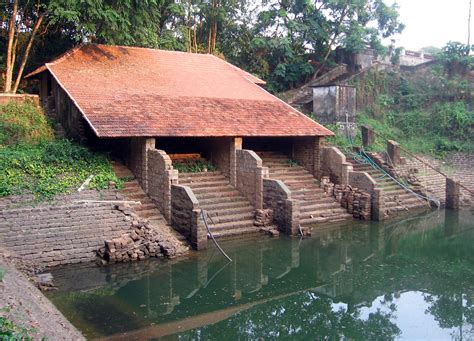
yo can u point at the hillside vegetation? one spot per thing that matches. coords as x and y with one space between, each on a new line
429 111
33 162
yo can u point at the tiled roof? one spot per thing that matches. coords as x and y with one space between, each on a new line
127 91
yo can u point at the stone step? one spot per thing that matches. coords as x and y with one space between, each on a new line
231 217
320 220
231 225
200 175
295 176
234 233
218 212
210 183
225 201
222 193
311 207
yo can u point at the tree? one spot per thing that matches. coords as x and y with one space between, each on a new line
301 35
126 22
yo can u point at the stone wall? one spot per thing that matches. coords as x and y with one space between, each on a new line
62 231
364 182
306 151
334 165
19 98
137 159
221 152
250 175
286 211
161 176
186 216
357 202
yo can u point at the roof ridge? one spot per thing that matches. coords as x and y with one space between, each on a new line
259 80
150 48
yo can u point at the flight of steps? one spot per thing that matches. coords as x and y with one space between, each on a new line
432 181
232 215
147 209
315 206
397 199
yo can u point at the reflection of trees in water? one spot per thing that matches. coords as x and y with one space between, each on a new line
353 265
306 316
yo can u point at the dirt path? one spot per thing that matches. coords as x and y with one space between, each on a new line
25 305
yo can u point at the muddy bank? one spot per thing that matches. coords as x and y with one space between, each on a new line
25 305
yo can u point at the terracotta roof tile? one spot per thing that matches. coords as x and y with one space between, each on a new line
126 91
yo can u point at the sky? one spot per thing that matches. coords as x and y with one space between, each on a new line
433 22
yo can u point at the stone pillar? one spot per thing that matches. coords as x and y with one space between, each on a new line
368 136
286 211
393 150
186 216
250 175
307 152
138 159
236 144
161 176
378 205
452 194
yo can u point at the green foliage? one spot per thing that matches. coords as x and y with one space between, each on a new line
456 59
2 273
50 168
9 331
292 163
194 166
23 122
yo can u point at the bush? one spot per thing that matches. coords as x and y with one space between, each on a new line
23 122
51 167
11 331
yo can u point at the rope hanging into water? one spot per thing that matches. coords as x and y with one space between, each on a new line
212 236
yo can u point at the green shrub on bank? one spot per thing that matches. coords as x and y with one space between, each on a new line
51 167
23 122
10 331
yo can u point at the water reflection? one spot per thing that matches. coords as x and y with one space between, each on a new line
406 279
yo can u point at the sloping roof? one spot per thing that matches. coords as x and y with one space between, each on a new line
128 91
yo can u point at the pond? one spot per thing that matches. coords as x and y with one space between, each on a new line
406 279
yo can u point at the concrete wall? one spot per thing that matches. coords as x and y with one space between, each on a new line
161 176
334 165
306 151
332 103
286 211
62 231
250 175
186 216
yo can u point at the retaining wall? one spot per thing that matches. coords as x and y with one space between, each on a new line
62 231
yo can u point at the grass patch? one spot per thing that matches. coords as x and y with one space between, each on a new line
194 166
23 122
33 162
50 168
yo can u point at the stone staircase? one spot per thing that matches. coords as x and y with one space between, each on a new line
397 199
315 206
147 209
433 182
231 214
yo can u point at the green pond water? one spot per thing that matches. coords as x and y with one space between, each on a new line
408 279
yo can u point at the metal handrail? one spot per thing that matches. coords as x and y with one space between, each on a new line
424 162
374 165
